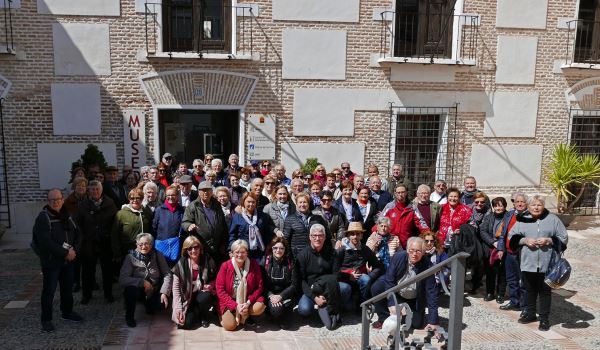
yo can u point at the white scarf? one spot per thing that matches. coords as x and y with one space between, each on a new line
240 295
254 236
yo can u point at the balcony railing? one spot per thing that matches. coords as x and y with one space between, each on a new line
583 42
222 31
7 45
429 38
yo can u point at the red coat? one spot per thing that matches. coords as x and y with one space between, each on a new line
402 223
461 215
224 285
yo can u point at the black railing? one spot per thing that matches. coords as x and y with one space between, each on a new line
4 200
6 28
583 42
201 29
429 36
458 267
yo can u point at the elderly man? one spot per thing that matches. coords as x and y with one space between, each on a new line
204 219
296 187
56 240
281 178
197 172
216 165
470 189
372 171
439 192
112 187
186 193
381 197
154 178
347 174
233 166
427 213
398 178
95 217
256 187
315 278
401 216
358 182
423 294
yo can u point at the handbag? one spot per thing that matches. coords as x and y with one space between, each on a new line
169 248
559 270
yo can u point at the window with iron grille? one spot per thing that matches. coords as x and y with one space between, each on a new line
424 142
585 135
587 37
196 25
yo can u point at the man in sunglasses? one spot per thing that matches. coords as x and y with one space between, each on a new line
347 174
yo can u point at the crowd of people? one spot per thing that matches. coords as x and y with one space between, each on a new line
238 242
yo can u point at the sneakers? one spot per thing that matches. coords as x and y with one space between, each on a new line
544 325
524 319
73 316
47 327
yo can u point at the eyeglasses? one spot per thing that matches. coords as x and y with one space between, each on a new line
337 174
345 167
430 241
415 251
54 200
298 177
325 199
269 183
195 247
479 202
317 236
278 248
239 253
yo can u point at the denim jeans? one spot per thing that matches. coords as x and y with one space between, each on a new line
306 304
516 290
52 277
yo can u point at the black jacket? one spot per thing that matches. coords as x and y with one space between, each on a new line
278 277
213 235
50 231
356 215
337 225
96 226
310 265
296 233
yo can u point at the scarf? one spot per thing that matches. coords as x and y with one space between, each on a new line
245 184
254 238
226 209
328 214
430 251
145 258
283 209
170 206
348 245
304 219
384 250
241 291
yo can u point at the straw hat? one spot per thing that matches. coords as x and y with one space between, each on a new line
355 226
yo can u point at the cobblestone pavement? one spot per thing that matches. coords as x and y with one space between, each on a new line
575 317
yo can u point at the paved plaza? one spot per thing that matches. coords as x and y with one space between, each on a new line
575 317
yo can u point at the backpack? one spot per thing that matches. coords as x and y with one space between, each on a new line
466 242
35 246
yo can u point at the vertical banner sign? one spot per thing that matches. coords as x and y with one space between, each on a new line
134 138
261 137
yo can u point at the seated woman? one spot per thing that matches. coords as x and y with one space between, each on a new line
142 275
359 266
278 281
239 288
167 224
252 226
383 243
193 285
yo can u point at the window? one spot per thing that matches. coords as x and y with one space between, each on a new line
196 26
587 37
585 135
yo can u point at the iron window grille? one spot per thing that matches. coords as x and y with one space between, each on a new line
6 28
583 38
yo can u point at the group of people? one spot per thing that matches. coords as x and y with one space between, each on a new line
242 241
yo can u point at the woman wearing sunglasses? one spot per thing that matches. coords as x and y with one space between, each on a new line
279 290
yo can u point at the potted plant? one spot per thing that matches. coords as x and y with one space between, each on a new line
569 173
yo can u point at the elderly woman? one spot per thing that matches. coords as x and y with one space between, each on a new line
278 280
130 221
151 198
346 204
490 232
211 177
193 285
245 178
479 256
270 184
239 288
280 208
221 176
537 233
142 275
315 193
297 225
367 207
382 242
74 200
208 158
453 214
223 197
252 226
166 226
296 187
320 175
235 190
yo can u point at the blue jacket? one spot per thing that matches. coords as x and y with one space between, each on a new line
384 198
165 224
239 230
356 215
427 291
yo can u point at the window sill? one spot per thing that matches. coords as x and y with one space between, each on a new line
387 61
595 66
204 56
7 50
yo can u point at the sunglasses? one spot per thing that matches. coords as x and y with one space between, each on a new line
195 247
479 202
429 240
278 248
345 167
269 183
168 158
135 198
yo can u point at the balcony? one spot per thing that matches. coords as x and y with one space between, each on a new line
7 45
428 38
207 30
582 44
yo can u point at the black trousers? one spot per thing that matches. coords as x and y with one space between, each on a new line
535 287
52 277
135 294
88 268
278 311
198 308
495 278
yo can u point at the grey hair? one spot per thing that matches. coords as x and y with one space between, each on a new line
222 189
150 185
537 197
215 161
384 220
198 161
255 180
144 169
231 156
240 243
95 183
317 227
143 235
279 166
398 165
423 186
519 194
296 181
417 240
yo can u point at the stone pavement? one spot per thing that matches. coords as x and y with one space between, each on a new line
575 317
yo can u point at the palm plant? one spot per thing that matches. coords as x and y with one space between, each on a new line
569 170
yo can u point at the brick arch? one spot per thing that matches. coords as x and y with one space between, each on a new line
5 85
584 94
197 87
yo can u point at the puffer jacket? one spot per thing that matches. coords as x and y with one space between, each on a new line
135 271
546 226
128 224
296 233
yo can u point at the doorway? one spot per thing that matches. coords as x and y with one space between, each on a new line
189 134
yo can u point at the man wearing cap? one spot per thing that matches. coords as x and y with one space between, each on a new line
255 170
186 193
112 187
359 265
204 219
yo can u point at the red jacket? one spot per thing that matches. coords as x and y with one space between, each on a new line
224 286
461 215
402 222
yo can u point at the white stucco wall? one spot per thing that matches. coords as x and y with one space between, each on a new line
316 10
314 54
329 154
81 49
527 14
516 60
54 161
80 7
514 114
507 165
76 109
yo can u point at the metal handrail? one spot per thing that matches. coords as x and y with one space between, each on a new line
458 266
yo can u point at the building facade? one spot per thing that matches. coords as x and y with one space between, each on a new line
445 87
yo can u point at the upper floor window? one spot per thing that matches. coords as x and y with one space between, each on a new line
587 37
